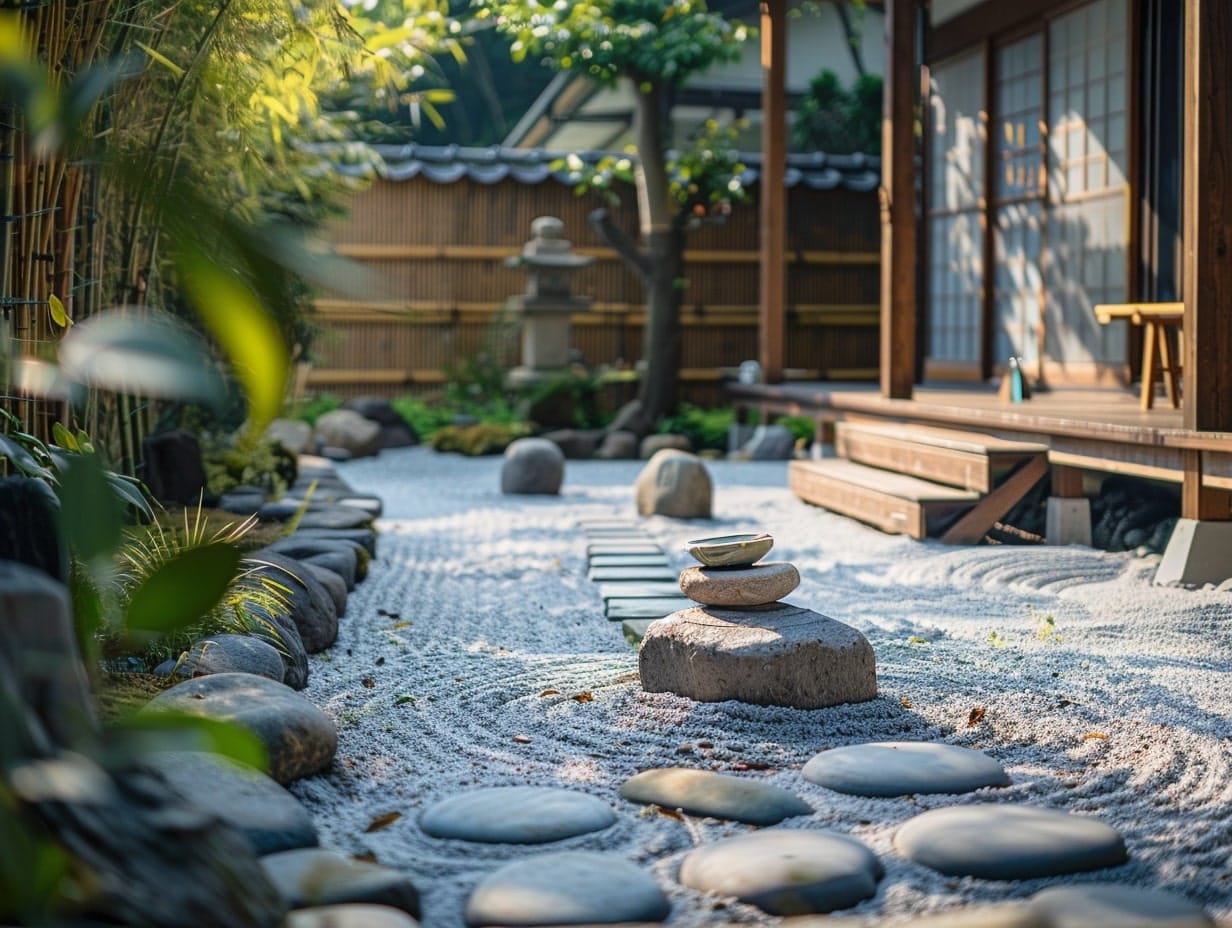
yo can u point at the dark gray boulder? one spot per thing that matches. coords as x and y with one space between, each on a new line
308 604
227 654
173 469
29 533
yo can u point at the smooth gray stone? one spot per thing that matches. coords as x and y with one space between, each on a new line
290 646
317 877
365 537
302 544
517 815
354 915
242 502
754 585
997 915
628 560
770 443
309 605
1102 905
902 768
299 738
566 888
532 466
784 871
343 563
246 799
373 505
675 484
335 517
634 630
997 841
348 430
638 589
333 584
648 574
618 609
227 654
717 795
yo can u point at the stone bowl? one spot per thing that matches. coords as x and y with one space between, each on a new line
731 550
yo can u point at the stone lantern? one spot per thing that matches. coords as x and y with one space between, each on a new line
547 304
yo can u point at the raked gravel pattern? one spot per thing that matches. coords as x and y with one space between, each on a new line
477 654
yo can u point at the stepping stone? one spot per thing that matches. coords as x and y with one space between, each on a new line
621 547
634 630
619 609
342 562
357 915
369 504
364 537
744 586
600 525
255 805
1096 905
299 738
323 516
784 871
903 768
998 915
517 815
567 888
649 574
630 535
317 877
715 795
226 654
996 841
775 655
627 560
638 589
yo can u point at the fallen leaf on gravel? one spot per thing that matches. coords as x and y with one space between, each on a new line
750 765
906 702
383 821
403 698
584 696
550 693
366 856
1095 734
669 813
403 624
521 739
368 682
976 716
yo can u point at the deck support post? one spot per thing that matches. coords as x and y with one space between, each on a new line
773 194
1067 519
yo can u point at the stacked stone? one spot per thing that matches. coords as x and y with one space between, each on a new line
742 642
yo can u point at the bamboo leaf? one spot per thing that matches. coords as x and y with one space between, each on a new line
59 315
63 437
183 589
161 59
21 459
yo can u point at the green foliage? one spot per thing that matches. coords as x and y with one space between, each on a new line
479 439
705 428
1045 626
424 417
312 408
802 427
840 120
232 461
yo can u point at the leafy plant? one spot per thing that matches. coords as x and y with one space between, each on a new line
424 417
1045 625
312 408
705 428
242 460
839 120
479 439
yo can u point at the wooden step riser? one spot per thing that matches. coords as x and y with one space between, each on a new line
891 514
940 465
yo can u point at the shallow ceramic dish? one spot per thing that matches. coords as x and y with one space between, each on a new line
731 550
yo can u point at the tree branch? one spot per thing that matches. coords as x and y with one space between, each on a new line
614 236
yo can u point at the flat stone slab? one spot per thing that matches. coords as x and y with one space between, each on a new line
597 548
628 560
739 586
258 807
634 630
715 795
517 815
1097 905
299 738
600 574
785 871
902 768
357 915
567 888
638 589
618 609
996 841
318 877
775 655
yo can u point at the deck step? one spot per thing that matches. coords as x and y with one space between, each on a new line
968 460
893 502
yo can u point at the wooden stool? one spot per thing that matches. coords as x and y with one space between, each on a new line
1157 357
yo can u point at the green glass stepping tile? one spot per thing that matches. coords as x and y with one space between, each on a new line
605 524
634 630
628 560
600 574
632 589
619 609
622 547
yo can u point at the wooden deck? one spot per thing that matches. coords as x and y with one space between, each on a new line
1094 429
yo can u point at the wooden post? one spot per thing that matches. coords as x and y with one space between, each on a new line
897 194
773 287
1207 268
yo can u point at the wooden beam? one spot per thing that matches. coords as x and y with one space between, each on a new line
773 288
897 195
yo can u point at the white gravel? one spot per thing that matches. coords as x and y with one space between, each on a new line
478 607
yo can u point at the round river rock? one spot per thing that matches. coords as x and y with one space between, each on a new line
1007 842
775 655
703 792
567 888
517 815
786 872
739 586
903 768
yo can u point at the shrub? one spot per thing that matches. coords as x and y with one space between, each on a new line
311 408
705 428
479 439
424 417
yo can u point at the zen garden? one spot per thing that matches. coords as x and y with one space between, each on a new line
509 463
